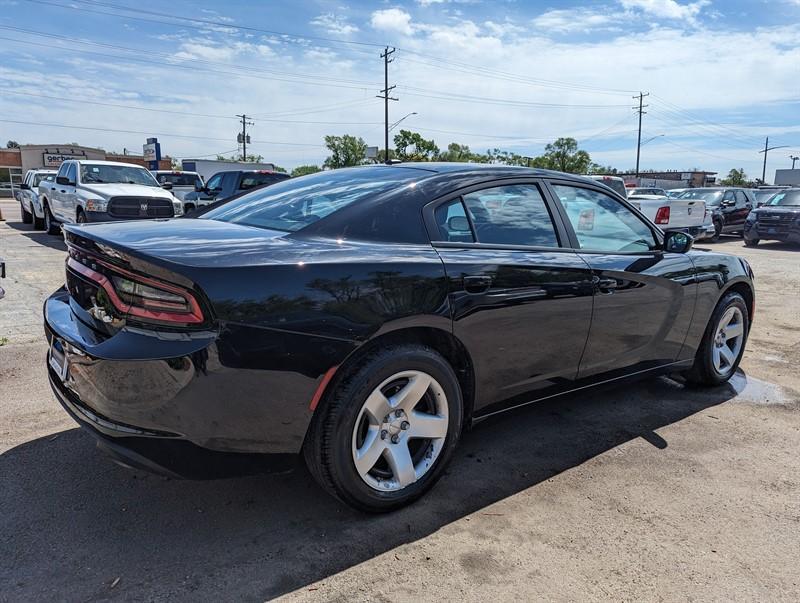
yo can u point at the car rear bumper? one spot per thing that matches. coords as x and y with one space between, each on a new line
158 400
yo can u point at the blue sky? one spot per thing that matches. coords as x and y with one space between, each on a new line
722 75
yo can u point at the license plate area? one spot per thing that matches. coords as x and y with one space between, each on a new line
57 359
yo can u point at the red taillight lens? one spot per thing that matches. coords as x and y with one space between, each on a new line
662 215
142 297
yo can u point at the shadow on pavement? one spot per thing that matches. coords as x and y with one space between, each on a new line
72 522
38 236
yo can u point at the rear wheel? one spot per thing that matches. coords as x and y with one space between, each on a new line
27 217
80 217
722 347
50 225
387 430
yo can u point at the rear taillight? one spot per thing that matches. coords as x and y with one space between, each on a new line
662 215
139 296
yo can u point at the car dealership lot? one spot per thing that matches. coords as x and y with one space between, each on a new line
645 492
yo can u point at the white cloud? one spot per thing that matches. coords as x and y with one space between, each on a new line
334 24
394 20
220 52
569 20
667 9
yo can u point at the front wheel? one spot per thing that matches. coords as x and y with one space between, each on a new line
50 225
387 430
722 346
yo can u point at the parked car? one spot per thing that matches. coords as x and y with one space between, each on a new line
365 316
674 193
615 183
179 183
99 191
728 206
762 195
28 196
647 190
777 220
685 215
224 185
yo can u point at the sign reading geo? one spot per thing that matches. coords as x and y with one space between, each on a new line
56 159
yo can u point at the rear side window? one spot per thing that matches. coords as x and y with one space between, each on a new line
511 215
601 223
451 219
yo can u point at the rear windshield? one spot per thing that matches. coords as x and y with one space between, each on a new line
785 198
615 184
297 202
37 179
711 197
181 179
257 179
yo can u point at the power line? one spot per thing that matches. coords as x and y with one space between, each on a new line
163 134
291 38
84 101
182 19
242 70
497 101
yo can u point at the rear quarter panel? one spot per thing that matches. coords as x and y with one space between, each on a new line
716 273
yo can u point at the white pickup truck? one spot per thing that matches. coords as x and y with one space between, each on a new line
28 196
101 191
686 215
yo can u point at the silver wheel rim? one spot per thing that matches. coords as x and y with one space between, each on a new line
728 341
400 431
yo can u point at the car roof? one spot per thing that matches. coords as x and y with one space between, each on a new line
100 162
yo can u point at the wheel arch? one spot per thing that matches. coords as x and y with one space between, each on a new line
440 340
744 289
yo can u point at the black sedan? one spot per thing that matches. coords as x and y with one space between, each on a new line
364 317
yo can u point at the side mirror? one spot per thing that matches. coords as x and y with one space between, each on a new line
24 187
199 188
167 186
64 181
676 241
458 224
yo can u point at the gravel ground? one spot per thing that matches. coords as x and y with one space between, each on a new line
647 492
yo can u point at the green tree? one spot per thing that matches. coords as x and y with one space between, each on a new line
302 170
12 144
461 152
411 146
508 158
735 178
563 155
278 168
346 151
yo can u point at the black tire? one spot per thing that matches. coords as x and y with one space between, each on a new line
717 231
38 223
703 372
188 208
751 242
27 217
50 225
328 448
80 217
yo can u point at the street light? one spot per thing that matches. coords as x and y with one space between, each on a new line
793 158
392 127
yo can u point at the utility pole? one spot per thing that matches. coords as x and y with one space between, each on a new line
386 98
243 137
641 111
766 150
793 158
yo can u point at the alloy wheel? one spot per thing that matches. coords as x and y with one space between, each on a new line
728 341
400 431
